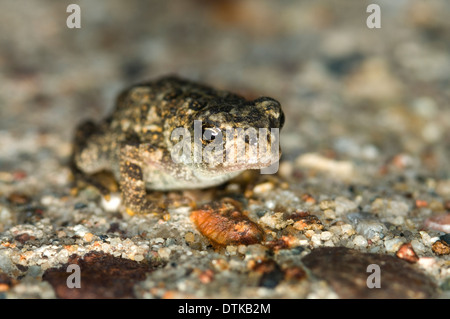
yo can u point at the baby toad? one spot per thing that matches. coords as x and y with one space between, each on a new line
136 142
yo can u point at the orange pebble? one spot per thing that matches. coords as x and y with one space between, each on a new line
224 224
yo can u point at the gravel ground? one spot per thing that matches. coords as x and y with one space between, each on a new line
364 178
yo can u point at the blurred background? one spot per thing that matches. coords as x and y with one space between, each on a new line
348 91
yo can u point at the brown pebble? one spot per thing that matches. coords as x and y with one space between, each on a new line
308 198
189 237
24 237
282 243
305 221
18 198
440 247
406 252
447 205
6 282
224 224
295 273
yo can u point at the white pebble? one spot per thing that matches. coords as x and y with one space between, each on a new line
371 228
315 239
387 208
328 243
340 169
47 200
231 250
164 253
392 245
326 235
347 229
425 238
275 220
111 205
263 188
344 205
360 241
80 230
337 230
426 262
418 247
329 214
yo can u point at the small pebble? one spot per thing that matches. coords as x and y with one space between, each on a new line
231 250
286 169
329 214
445 238
315 239
339 169
189 237
326 235
360 241
242 249
406 252
327 204
425 238
347 229
263 188
220 264
393 245
371 229
111 204
164 253
439 222
18 198
336 230
309 233
76 206
88 237
418 246
80 230
344 205
275 220
440 248
387 207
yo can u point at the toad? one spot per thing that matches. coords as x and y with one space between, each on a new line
172 134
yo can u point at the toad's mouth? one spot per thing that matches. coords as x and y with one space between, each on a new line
268 164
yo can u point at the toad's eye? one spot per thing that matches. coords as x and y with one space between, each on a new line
212 133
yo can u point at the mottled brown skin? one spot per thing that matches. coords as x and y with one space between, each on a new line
134 142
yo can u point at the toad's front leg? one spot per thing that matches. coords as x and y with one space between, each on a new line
132 183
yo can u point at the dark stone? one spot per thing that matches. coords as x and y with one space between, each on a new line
80 205
272 278
346 272
445 238
102 276
344 65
